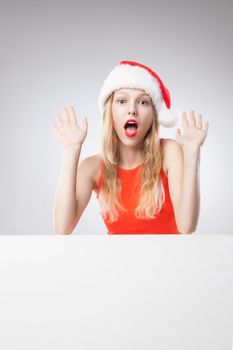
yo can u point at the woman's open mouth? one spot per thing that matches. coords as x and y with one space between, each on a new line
131 127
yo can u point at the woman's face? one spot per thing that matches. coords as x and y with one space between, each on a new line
134 105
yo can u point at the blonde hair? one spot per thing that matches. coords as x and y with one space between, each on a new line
152 194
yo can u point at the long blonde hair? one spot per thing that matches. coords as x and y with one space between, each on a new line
152 191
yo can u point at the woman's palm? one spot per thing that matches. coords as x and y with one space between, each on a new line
67 129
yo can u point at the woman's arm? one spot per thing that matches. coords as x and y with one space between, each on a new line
64 209
189 204
72 137
74 191
183 173
184 186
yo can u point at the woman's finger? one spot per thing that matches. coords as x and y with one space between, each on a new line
192 121
84 124
72 115
206 126
185 123
66 115
199 121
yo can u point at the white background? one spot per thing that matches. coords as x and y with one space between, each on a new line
116 292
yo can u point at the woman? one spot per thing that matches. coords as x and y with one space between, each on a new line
144 184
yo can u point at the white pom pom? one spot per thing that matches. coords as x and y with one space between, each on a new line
168 117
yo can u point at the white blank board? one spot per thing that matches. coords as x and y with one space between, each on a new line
138 292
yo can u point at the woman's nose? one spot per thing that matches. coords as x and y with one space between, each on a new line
132 108
133 113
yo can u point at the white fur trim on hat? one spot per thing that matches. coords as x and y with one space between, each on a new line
128 76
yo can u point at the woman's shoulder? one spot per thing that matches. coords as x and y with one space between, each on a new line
93 160
93 167
169 144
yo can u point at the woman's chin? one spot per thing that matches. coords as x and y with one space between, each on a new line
130 141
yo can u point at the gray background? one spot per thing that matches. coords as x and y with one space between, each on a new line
57 53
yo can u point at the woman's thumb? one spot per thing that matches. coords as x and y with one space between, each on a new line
84 123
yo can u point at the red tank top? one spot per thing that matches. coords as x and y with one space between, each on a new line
127 223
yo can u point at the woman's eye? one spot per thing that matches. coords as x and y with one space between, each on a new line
121 101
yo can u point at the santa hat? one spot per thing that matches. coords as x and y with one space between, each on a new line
129 74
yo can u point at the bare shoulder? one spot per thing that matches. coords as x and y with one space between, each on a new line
92 167
169 145
172 153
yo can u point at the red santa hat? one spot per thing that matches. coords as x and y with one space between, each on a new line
130 74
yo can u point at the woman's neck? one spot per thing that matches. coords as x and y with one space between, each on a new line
130 157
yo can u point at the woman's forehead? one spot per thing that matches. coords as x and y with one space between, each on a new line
131 91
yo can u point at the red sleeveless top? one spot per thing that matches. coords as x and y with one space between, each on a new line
127 223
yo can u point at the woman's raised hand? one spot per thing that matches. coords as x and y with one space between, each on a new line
67 129
194 134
